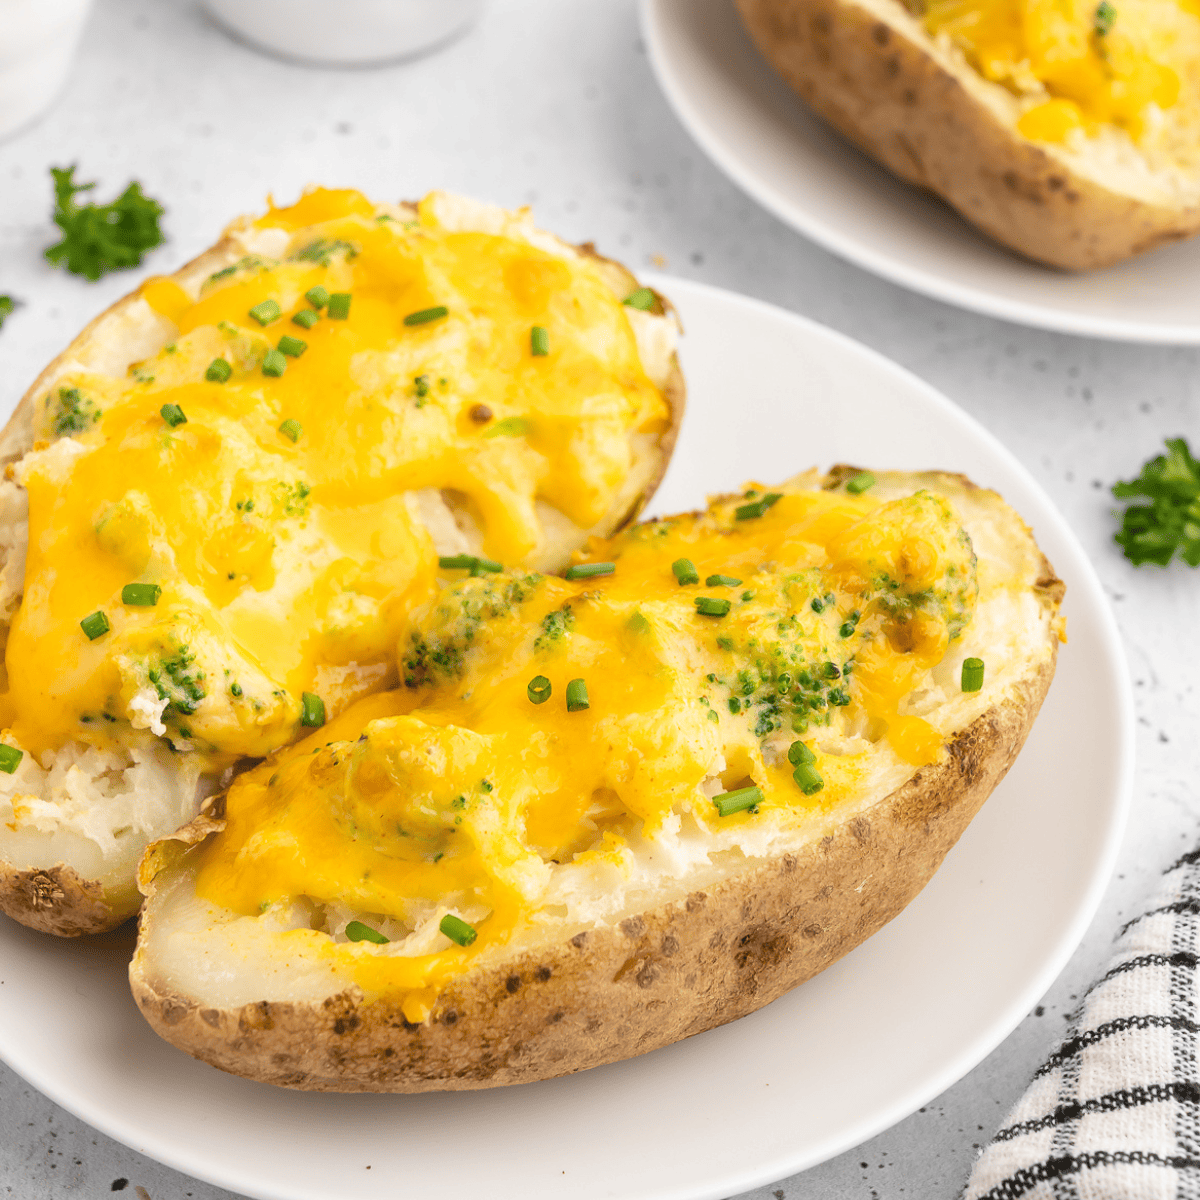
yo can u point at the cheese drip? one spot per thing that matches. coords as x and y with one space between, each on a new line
458 793
281 518
1085 64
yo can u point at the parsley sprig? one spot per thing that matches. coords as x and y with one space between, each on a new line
1170 523
7 305
98 238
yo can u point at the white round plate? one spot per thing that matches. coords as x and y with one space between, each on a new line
836 1061
761 135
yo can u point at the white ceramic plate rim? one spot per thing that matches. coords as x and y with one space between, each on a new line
688 109
168 1145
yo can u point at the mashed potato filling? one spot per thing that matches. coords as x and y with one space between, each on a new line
224 542
557 738
1083 64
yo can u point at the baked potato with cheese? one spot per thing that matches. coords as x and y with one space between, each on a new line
607 811
1068 131
221 501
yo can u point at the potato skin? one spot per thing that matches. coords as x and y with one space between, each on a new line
57 899
877 82
612 993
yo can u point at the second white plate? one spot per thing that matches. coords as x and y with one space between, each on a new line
836 1061
765 139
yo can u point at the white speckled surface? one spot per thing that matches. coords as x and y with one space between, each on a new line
553 104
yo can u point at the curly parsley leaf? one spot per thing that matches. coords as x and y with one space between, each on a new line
7 305
98 238
1170 523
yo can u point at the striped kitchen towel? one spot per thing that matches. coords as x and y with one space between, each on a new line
1114 1112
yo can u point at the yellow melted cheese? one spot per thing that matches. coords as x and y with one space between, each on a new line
459 793
287 566
1121 63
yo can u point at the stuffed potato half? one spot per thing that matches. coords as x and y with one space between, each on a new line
492 876
221 500
1068 132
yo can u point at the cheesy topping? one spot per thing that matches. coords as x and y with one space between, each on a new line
813 616
1084 64
270 477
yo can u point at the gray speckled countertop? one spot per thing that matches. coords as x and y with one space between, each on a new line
554 104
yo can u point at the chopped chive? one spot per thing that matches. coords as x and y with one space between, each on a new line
457 930
509 427
746 512
317 296
425 315
291 428
721 581
274 364
735 705
338 308
849 625
312 710
306 318
589 570
710 606
218 371
799 753
95 625
831 671
577 696
266 311
642 299
173 415
10 758
538 689
724 643
235 689
729 803
972 674
539 341
747 597
807 779
291 346
685 571
839 697
356 931
468 562
141 595
857 484
817 605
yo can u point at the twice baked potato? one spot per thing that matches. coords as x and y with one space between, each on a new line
1068 131
220 502
608 811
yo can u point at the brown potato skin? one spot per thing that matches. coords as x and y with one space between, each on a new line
612 993
58 899
884 91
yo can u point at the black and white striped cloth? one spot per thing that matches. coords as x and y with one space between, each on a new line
1114 1112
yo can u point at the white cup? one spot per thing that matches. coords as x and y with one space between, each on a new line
344 32
38 39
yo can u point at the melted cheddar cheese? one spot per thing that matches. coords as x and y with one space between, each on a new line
275 499
1082 64
466 790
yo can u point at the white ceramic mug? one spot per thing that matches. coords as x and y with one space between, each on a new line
345 32
38 39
